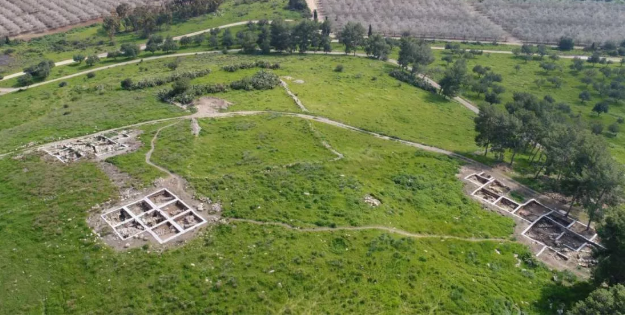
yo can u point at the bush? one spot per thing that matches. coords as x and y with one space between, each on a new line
127 84
338 68
412 80
260 81
259 64
154 82
63 84
90 74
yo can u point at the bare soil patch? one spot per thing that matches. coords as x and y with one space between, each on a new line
209 105
507 204
532 211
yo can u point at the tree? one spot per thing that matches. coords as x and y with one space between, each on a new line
584 96
352 35
127 84
528 50
555 81
264 39
614 128
315 16
173 65
169 45
152 47
492 98
280 35
370 31
130 50
612 256
517 68
602 301
486 126
541 49
596 128
326 27
548 67
227 40
111 26
480 70
577 65
92 60
185 41
416 54
448 59
453 79
303 34
566 43
199 39
79 58
41 70
377 47
601 107
594 58
181 85
25 80
326 42
248 42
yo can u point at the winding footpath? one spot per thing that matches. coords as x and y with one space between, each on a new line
364 228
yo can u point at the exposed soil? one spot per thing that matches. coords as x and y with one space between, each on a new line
166 230
130 229
571 240
581 229
152 218
545 231
507 204
532 211
188 220
559 218
498 188
479 179
487 195
210 105
174 209
161 198
117 217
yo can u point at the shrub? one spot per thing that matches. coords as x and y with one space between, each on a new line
154 82
63 84
338 68
90 74
412 80
127 84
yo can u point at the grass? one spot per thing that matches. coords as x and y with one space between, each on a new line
52 263
278 170
363 95
91 40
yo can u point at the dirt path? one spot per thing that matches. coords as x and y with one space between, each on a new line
363 228
292 95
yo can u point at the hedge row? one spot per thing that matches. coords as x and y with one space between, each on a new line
262 80
259 64
412 80
154 82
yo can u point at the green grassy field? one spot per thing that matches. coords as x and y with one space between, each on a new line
523 80
363 95
91 40
53 263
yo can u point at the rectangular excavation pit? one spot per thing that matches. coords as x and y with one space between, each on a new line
153 218
188 220
139 207
165 231
129 229
116 217
487 195
546 231
572 241
507 204
551 253
478 179
532 211
580 229
174 208
498 187
561 219
161 197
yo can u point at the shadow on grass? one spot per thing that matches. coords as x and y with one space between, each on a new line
557 296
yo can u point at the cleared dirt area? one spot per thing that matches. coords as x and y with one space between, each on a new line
532 211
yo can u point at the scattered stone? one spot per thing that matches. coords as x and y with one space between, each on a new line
200 207
216 207
372 201
298 81
127 245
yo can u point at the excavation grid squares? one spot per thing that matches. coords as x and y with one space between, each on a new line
549 228
161 214
97 146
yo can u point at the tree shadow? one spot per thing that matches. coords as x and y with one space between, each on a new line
555 296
